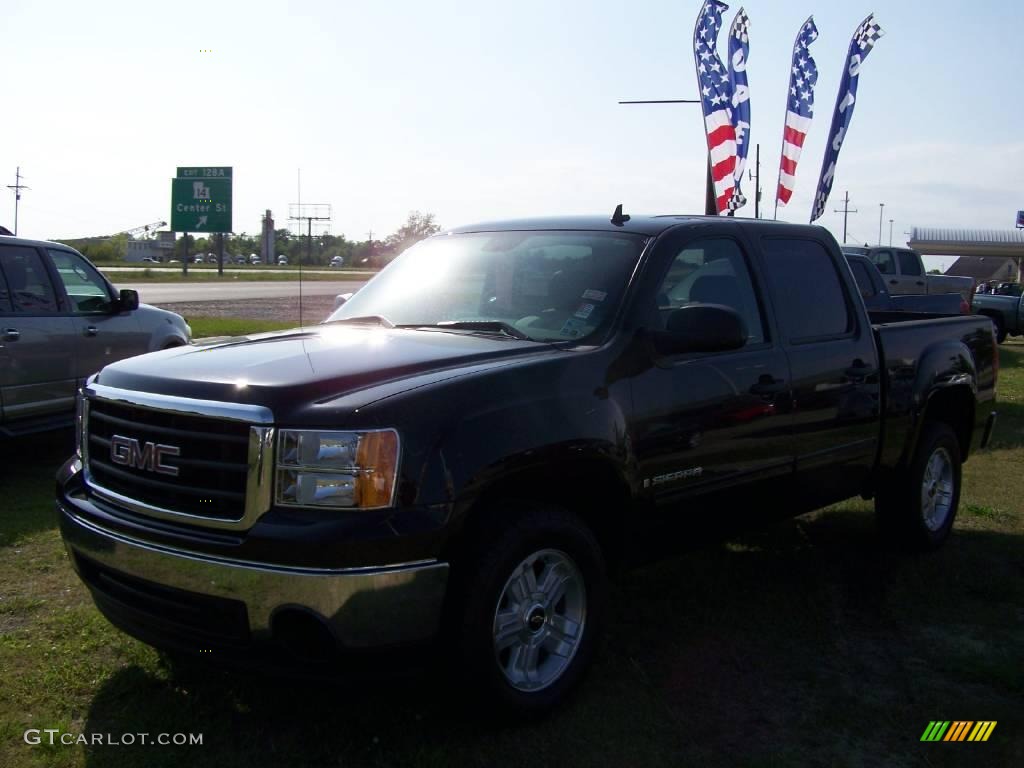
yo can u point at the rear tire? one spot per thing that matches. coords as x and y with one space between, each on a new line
533 600
918 508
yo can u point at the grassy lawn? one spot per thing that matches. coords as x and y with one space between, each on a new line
804 644
203 327
208 274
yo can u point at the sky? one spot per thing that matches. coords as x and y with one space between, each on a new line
484 110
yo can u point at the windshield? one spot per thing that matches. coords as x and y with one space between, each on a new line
547 286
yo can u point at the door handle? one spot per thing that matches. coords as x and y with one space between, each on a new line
90 330
11 334
859 371
767 385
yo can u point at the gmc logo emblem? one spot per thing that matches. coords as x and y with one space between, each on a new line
127 452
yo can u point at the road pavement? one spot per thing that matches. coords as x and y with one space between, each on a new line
169 293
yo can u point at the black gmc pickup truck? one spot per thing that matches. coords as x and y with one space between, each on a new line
507 412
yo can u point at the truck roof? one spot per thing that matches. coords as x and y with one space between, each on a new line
638 224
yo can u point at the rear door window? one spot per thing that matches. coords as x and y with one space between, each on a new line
28 285
806 289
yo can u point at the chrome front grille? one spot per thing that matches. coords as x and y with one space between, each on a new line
198 461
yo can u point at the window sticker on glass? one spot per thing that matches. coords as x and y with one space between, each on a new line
573 328
593 295
584 311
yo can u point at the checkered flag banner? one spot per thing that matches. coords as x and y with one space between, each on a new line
739 52
860 46
716 98
799 109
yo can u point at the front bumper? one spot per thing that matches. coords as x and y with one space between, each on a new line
192 601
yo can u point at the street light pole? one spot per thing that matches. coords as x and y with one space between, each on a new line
881 209
890 233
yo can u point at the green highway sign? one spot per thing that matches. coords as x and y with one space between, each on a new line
199 203
204 173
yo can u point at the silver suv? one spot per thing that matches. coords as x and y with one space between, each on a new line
60 322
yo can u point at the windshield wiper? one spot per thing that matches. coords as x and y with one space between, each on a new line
486 326
363 320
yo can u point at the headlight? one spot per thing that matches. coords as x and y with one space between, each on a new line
337 469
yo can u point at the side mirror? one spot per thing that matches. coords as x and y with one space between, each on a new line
701 328
128 300
341 298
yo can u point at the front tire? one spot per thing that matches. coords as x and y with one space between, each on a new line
998 328
534 599
918 509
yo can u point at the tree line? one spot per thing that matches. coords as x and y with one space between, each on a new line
316 251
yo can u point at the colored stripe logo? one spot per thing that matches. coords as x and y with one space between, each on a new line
958 730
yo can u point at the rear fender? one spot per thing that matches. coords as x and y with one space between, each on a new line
945 389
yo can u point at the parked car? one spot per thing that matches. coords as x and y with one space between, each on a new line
1006 311
500 419
60 321
337 261
282 260
254 259
904 272
1008 289
877 299
150 260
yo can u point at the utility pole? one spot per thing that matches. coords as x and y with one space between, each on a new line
756 176
308 213
846 211
17 187
881 210
890 233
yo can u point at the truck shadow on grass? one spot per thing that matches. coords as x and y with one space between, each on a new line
803 643
28 466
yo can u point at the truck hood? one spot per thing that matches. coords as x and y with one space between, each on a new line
295 369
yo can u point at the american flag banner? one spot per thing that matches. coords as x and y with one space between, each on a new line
860 46
739 52
716 98
799 109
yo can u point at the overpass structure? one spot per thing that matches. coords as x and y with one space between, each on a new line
985 254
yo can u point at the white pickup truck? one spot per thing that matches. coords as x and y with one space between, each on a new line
904 272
